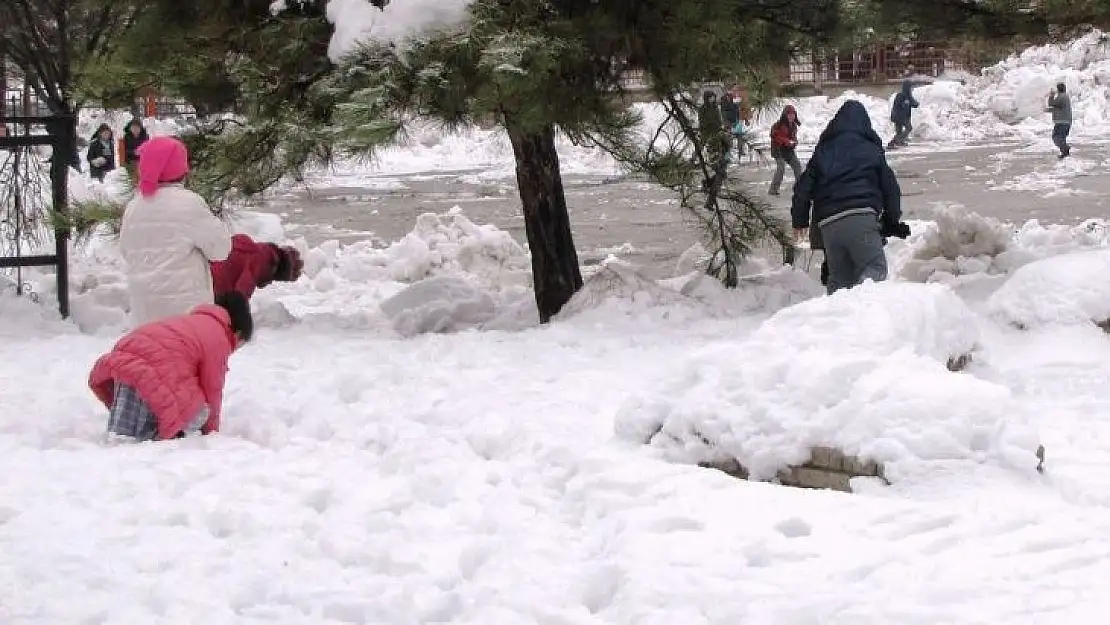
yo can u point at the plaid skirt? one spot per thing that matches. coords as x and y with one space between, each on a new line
130 416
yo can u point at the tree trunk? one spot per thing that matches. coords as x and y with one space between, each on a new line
555 272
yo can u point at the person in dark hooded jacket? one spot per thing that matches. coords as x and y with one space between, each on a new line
101 154
854 196
711 128
134 136
901 113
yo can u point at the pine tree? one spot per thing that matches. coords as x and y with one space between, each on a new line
539 68
231 56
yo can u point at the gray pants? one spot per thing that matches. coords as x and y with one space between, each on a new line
854 250
782 159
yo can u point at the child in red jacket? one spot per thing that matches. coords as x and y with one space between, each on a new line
165 379
252 265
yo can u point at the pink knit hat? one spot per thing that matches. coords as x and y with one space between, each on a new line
162 159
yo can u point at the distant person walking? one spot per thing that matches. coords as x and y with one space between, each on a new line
1059 104
901 114
711 128
784 143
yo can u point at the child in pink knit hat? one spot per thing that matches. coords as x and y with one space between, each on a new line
168 236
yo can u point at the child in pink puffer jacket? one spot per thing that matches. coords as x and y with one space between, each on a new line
165 379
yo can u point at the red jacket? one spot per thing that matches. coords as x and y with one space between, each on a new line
249 265
177 366
783 133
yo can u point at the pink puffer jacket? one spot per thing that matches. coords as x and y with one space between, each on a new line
177 365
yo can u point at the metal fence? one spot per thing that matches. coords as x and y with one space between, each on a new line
20 103
881 63
34 200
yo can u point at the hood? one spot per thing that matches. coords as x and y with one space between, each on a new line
220 314
907 87
852 117
789 108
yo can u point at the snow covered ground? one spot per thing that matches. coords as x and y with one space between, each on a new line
403 443
368 473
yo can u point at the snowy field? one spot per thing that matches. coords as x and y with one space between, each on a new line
404 444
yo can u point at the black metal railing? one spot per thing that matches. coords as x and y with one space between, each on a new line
34 197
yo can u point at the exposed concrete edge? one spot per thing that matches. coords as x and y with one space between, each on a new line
827 469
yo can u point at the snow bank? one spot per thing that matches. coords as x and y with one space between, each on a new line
863 371
1066 289
961 245
439 304
616 288
447 275
357 22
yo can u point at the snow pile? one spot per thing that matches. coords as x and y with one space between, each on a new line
357 22
957 243
445 275
961 244
1066 289
864 371
439 304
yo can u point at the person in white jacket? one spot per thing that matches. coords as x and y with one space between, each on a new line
168 236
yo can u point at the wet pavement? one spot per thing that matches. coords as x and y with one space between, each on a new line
643 223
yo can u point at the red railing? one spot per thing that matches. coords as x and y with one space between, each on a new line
880 63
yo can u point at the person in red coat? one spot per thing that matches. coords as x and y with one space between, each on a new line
784 143
252 265
165 379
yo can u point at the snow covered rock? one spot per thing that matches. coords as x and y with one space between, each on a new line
863 372
439 304
1065 289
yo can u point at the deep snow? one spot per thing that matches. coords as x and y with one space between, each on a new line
404 444
478 476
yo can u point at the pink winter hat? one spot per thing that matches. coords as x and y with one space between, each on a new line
162 159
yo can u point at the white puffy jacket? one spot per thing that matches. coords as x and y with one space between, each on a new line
166 241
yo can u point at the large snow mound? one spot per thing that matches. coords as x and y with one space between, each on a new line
863 371
961 244
447 275
358 22
1066 289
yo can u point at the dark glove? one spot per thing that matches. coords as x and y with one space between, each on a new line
900 230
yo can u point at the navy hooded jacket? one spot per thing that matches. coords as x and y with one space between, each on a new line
904 104
848 170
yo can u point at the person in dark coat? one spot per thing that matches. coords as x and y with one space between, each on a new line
854 198
1059 104
711 128
784 144
134 136
901 113
102 154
